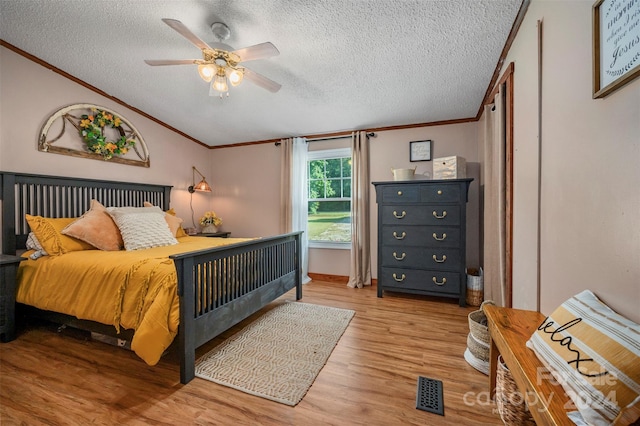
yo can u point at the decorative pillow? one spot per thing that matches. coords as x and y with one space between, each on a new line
595 355
97 228
48 232
142 227
173 221
34 244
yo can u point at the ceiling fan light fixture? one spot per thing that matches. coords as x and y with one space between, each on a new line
220 83
206 71
235 76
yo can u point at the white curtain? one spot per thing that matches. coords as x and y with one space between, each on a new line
495 256
293 199
360 267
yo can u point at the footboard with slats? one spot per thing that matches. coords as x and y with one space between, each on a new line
217 287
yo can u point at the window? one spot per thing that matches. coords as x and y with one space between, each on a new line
329 195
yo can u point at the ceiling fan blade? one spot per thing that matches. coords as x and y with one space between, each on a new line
261 81
258 51
156 62
186 33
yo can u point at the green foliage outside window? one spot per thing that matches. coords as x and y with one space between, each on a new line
329 184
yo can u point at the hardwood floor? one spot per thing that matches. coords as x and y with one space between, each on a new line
49 377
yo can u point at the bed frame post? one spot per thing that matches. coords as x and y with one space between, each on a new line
298 266
8 181
186 333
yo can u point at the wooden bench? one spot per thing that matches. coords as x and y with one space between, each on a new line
509 331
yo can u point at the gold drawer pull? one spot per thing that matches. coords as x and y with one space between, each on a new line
442 216
399 192
395 256
400 216
399 237
399 279
435 237
444 258
443 282
439 191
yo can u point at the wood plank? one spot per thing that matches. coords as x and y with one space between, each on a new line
510 329
371 377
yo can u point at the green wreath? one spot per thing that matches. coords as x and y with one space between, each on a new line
92 132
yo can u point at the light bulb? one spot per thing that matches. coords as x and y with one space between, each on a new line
206 72
220 83
235 77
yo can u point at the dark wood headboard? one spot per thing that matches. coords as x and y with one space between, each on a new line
56 196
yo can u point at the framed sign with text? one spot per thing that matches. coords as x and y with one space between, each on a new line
420 151
616 45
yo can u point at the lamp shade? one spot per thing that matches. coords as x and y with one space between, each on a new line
220 83
202 186
235 76
206 72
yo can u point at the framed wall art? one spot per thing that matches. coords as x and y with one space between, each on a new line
420 151
616 45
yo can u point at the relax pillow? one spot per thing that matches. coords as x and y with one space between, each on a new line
595 355
173 221
142 227
97 228
48 232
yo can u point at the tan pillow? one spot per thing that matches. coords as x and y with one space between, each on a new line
173 221
49 232
97 228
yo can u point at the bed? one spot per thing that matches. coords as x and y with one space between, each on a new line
215 287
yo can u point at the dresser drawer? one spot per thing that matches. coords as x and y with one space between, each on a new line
417 280
400 194
440 193
426 236
421 258
428 214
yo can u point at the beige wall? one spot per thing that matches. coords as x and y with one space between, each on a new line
590 209
30 93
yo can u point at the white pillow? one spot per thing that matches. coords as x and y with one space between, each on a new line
34 244
142 227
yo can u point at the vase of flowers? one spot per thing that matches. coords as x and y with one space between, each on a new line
210 222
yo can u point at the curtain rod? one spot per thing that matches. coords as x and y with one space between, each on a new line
370 134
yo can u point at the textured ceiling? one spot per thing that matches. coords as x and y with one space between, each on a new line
343 65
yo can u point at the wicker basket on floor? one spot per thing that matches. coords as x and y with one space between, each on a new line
480 350
511 403
478 324
477 353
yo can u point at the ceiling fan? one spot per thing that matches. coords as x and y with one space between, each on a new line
220 63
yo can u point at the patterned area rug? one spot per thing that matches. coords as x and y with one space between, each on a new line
279 355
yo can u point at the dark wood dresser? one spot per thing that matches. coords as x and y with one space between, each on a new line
422 237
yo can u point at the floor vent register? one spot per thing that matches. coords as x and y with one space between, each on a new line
429 397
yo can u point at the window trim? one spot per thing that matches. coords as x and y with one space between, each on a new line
324 154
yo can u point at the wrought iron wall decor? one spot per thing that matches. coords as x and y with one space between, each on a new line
100 134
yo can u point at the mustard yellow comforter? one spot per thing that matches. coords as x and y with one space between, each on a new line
129 289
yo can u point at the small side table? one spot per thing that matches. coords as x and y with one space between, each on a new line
216 234
8 271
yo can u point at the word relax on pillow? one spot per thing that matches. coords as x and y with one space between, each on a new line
595 355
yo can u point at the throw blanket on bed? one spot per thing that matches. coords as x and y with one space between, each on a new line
129 289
